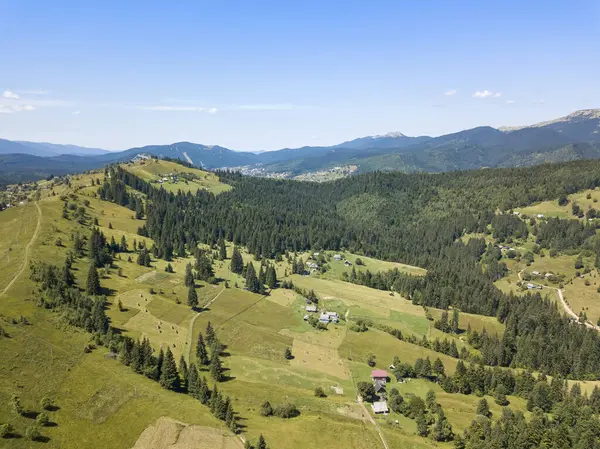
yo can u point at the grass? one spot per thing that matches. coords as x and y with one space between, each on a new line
154 170
552 209
16 228
582 297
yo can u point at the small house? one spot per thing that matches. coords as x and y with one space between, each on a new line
530 286
311 308
327 317
347 263
547 275
337 257
379 374
313 266
380 407
540 215
379 386
535 273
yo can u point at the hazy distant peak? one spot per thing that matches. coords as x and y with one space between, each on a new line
582 114
391 135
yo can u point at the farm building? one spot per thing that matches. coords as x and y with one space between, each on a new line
379 407
311 308
379 386
379 375
327 317
313 266
535 273
533 286
347 263
337 257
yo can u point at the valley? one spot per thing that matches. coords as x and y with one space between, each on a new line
273 348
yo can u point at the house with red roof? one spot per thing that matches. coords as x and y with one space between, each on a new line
379 375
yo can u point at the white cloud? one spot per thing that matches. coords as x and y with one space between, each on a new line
486 94
10 109
76 112
34 92
450 92
538 101
510 101
177 109
266 107
10 94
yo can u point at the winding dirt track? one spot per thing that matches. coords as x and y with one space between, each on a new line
566 306
27 248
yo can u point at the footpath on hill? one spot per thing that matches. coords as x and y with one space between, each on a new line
27 249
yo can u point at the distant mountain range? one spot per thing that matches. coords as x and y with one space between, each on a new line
575 136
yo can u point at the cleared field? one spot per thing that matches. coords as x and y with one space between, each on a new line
582 297
318 358
378 301
552 209
337 267
153 170
358 347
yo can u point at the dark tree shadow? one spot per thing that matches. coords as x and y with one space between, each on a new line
31 414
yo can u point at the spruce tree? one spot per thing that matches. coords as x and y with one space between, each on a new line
222 249
93 281
192 297
67 275
216 370
230 418
210 334
262 444
271 277
237 262
201 352
193 385
159 363
483 408
189 275
203 391
442 431
252 282
183 369
169 377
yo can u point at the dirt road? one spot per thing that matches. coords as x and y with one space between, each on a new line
566 306
27 250
189 343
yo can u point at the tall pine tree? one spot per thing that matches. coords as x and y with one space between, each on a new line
169 377
201 352
93 281
237 263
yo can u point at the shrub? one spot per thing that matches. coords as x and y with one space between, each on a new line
320 393
266 409
42 419
33 432
6 430
286 411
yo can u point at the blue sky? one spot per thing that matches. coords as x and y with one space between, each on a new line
271 74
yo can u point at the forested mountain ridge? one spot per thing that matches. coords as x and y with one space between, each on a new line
573 137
